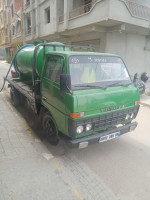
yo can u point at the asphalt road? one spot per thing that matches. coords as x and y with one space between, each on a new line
122 165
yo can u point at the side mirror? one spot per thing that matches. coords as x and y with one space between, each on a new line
65 82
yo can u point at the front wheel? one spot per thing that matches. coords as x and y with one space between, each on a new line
50 129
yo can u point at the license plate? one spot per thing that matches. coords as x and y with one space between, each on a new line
109 137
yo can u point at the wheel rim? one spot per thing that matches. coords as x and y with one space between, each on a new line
50 129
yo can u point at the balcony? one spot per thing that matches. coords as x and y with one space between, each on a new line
82 10
137 10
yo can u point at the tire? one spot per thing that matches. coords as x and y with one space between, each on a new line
49 128
15 97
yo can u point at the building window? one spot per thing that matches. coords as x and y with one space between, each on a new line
18 27
47 15
12 10
28 24
27 2
13 30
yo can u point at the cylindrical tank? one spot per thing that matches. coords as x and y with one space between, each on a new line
25 57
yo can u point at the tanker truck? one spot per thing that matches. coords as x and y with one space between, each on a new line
86 96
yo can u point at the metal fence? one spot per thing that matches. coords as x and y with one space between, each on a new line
138 10
84 9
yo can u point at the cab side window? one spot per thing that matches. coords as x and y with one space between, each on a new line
54 67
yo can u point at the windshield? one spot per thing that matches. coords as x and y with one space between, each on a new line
97 70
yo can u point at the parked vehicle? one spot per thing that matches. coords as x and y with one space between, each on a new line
86 96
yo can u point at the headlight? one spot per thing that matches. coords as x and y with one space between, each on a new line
79 129
88 127
132 115
127 116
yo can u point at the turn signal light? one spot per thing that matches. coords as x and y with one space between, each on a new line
76 115
137 102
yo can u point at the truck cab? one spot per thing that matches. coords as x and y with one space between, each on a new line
90 96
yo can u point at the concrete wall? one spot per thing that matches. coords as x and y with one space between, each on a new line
60 7
2 53
131 48
46 29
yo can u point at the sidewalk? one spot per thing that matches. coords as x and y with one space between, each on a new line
28 169
145 98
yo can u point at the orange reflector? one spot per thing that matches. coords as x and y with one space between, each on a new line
76 115
137 102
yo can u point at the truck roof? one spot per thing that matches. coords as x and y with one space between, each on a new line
69 53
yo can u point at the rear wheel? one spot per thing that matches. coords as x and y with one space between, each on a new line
50 129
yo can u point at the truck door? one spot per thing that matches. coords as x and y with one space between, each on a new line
50 89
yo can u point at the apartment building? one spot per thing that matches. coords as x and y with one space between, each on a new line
4 25
115 26
16 24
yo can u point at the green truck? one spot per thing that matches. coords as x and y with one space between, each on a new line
85 96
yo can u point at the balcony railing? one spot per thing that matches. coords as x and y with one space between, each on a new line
82 10
138 10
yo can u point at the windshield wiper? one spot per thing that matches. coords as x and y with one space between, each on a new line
119 83
90 86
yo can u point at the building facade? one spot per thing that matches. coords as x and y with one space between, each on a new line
4 25
16 24
114 26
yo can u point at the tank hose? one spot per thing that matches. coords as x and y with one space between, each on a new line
13 62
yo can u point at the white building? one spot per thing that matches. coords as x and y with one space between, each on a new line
113 26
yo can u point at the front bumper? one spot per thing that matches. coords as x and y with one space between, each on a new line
94 138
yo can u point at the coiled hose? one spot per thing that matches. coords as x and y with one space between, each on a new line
13 62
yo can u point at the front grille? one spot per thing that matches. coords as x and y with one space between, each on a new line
102 121
112 118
